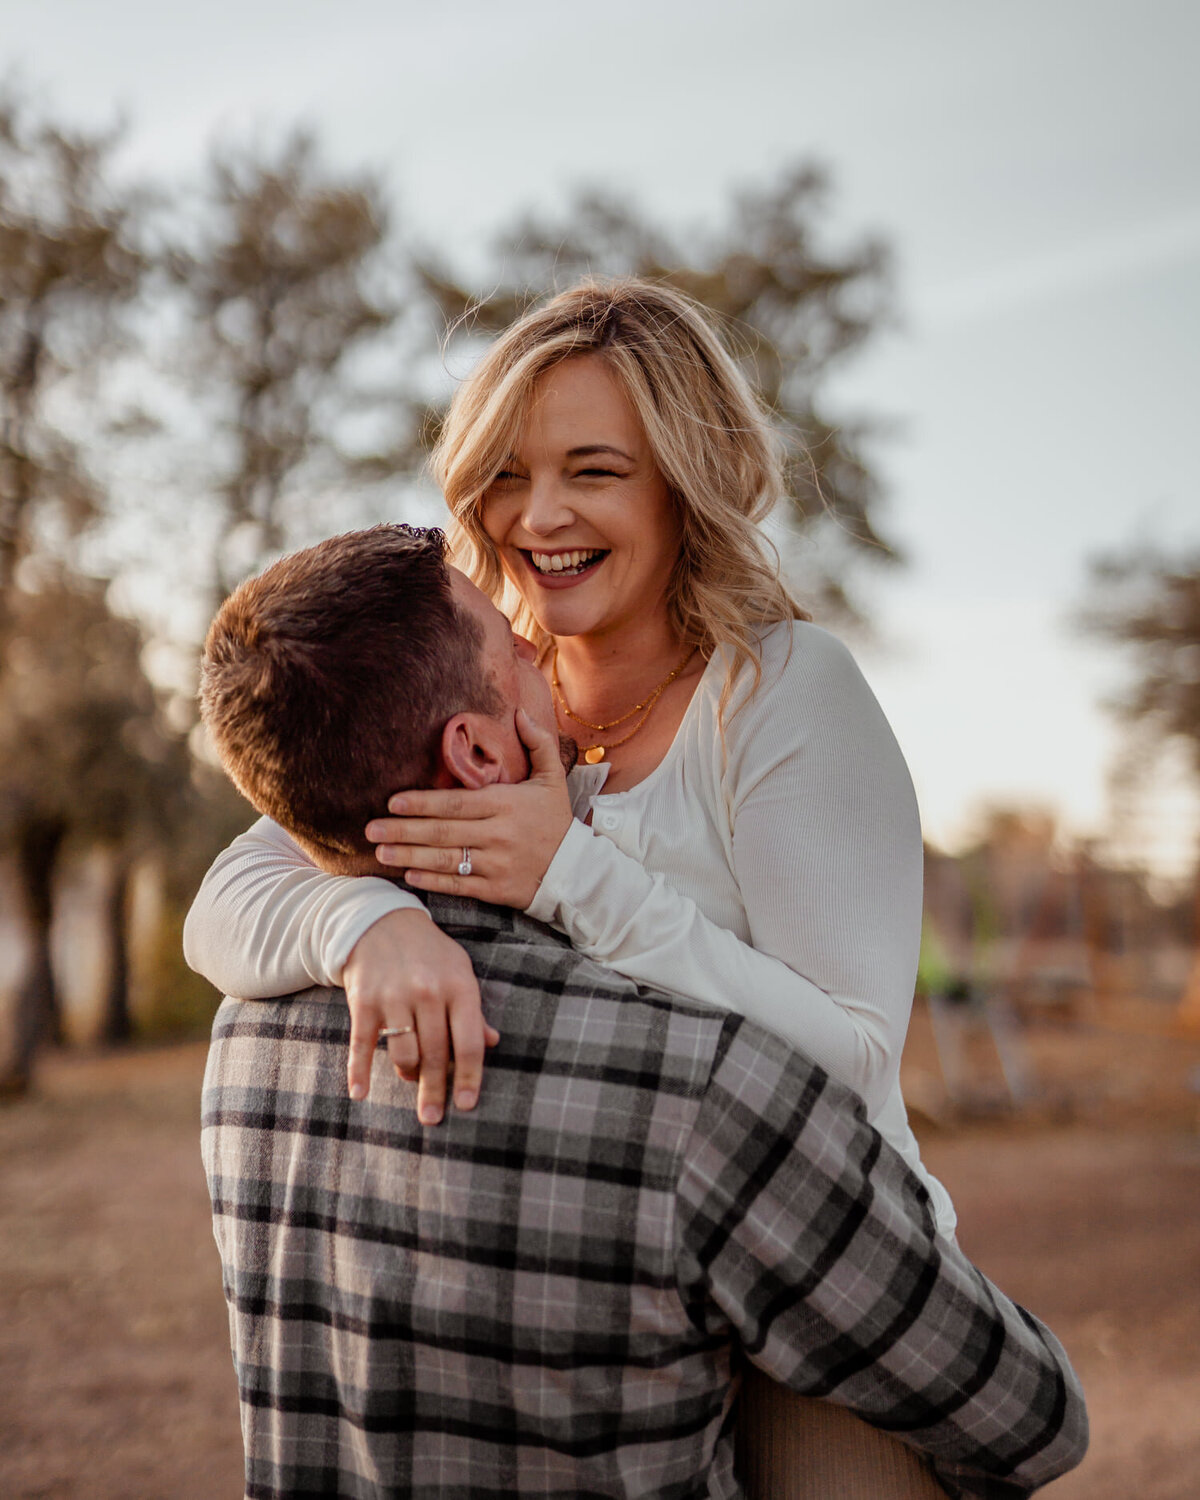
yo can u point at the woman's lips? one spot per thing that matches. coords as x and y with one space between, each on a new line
561 580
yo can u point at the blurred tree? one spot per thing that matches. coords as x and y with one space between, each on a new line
1150 603
85 753
792 313
72 264
70 261
286 284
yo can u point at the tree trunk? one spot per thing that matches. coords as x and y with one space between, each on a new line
38 1016
117 1026
1189 1007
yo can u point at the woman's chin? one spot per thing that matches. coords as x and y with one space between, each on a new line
558 619
567 607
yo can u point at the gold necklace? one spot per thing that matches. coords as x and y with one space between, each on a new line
594 754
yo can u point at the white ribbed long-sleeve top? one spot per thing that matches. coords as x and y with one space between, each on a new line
775 871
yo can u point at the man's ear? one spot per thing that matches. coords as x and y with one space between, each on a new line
471 750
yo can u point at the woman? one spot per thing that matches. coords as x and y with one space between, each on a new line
753 840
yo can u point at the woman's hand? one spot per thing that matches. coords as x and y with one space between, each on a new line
511 830
405 972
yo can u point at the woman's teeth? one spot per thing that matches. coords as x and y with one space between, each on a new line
564 562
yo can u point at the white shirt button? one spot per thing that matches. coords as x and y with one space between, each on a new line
609 820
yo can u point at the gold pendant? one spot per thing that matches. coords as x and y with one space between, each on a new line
594 755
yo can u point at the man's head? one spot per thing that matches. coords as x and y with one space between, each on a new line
361 667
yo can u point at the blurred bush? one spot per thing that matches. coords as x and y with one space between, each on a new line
172 1002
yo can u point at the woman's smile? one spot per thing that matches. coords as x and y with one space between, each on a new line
558 570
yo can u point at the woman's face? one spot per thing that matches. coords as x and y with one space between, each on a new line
580 514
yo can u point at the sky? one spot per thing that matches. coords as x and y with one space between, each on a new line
1034 166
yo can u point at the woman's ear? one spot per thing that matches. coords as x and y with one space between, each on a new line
471 750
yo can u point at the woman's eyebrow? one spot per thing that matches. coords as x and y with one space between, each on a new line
590 448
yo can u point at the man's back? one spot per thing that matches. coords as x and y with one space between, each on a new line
545 1296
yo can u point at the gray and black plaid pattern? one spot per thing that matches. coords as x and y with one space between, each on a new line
550 1295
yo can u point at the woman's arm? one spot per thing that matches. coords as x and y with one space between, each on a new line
266 921
826 851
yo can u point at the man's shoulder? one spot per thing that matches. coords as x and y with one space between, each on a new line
508 948
562 1013
317 1014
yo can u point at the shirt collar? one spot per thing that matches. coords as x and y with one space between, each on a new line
582 785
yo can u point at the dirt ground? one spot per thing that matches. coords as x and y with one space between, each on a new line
114 1359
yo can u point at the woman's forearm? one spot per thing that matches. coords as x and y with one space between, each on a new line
267 922
616 912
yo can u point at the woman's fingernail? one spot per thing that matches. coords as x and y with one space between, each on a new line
429 1114
465 1098
357 1091
396 804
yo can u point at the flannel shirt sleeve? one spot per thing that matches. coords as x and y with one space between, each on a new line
803 1232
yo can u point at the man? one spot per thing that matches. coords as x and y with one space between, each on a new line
551 1293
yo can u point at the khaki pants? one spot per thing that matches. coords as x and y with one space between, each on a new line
793 1448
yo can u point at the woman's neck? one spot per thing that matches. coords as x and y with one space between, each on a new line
602 675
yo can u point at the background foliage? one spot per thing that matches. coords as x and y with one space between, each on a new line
195 378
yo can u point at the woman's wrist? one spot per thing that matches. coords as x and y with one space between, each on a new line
389 924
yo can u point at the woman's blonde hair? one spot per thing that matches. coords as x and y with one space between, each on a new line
709 434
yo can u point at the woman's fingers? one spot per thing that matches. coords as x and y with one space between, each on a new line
405 1051
451 885
478 802
364 1033
420 857
366 1022
421 831
467 1036
434 1037
544 757
428 855
404 974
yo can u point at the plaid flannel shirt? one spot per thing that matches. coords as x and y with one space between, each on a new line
551 1295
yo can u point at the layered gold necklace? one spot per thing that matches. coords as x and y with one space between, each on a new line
594 754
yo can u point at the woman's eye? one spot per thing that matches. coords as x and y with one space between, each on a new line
598 474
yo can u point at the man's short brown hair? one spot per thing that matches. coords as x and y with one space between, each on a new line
328 678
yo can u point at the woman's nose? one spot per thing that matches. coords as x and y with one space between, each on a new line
547 508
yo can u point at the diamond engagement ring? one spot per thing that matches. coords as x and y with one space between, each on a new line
464 867
397 1031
